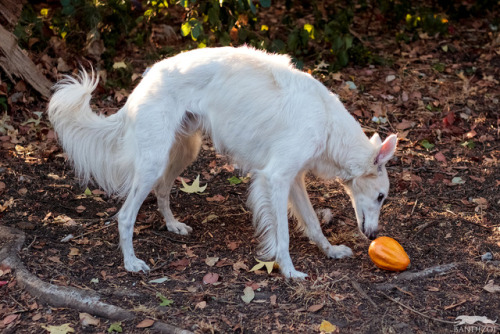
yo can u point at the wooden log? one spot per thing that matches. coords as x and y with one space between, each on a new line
10 10
16 63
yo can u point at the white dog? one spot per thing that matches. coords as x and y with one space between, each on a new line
270 118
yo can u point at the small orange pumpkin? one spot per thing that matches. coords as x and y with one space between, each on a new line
388 254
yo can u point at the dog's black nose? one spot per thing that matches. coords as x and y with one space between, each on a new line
371 235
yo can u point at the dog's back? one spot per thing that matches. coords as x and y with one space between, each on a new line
255 106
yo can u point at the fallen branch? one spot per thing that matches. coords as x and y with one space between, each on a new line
417 312
11 242
409 275
362 292
54 295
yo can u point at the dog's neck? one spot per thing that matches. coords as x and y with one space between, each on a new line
348 152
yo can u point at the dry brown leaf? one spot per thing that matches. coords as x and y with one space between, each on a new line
88 320
145 323
491 287
210 278
74 252
211 261
440 157
9 319
201 305
315 308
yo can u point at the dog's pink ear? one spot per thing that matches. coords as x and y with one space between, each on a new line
386 150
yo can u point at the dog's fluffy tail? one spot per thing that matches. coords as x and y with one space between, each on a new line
95 144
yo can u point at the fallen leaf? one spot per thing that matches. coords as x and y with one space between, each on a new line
491 287
80 208
327 327
209 218
482 203
234 180
449 119
239 265
88 320
9 319
233 245
145 323
216 198
273 300
54 259
440 157
62 329
224 263
164 300
471 320
315 308
194 187
248 295
405 124
210 278
201 305
74 252
115 327
269 266
457 180
211 261
479 179
180 264
159 280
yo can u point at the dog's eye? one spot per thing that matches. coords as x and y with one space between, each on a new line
380 198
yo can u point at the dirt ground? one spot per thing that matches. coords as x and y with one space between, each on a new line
443 208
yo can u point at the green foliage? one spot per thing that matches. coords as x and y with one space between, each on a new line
426 144
310 29
164 300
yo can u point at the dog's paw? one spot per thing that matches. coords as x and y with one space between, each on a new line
338 252
179 228
293 274
135 265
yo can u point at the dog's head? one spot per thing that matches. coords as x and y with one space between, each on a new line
369 190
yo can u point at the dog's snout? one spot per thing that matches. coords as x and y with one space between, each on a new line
371 235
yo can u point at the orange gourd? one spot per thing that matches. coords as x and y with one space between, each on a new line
388 254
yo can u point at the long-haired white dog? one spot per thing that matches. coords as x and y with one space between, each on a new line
270 118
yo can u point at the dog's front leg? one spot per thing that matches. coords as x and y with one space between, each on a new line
269 201
304 212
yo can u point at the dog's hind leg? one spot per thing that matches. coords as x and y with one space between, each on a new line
269 202
153 139
144 180
304 212
182 154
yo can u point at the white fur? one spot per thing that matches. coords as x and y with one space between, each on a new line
273 120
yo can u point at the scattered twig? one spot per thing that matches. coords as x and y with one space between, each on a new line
421 228
417 312
414 206
174 240
93 231
362 292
